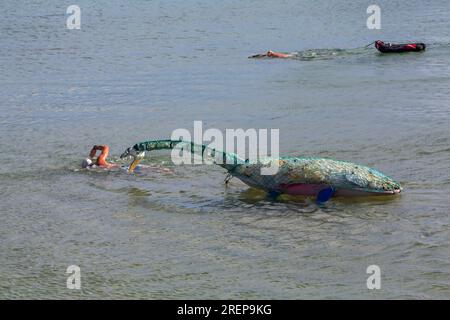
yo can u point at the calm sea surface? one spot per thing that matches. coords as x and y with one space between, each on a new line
138 70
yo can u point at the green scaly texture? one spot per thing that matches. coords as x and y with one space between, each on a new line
291 170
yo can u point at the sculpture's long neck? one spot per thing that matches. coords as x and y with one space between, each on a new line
219 157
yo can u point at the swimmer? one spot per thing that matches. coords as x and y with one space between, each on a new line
273 54
100 162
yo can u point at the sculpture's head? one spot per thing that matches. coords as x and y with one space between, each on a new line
381 183
136 155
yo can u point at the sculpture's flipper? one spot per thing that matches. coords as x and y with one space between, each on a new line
324 195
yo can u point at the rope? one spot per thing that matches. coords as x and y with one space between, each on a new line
369 44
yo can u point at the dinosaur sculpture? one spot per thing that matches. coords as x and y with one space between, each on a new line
310 176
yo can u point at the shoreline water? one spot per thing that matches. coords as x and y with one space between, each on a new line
140 71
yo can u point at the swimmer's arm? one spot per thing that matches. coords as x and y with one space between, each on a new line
278 54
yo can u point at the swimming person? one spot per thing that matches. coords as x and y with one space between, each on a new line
101 159
102 163
309 54
273 54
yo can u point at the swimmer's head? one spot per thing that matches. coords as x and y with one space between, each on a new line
86 163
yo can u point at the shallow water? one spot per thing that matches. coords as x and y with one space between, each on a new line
139 70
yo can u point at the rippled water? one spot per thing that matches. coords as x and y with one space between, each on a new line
139 70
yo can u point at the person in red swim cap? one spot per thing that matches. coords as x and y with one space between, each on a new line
101 159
